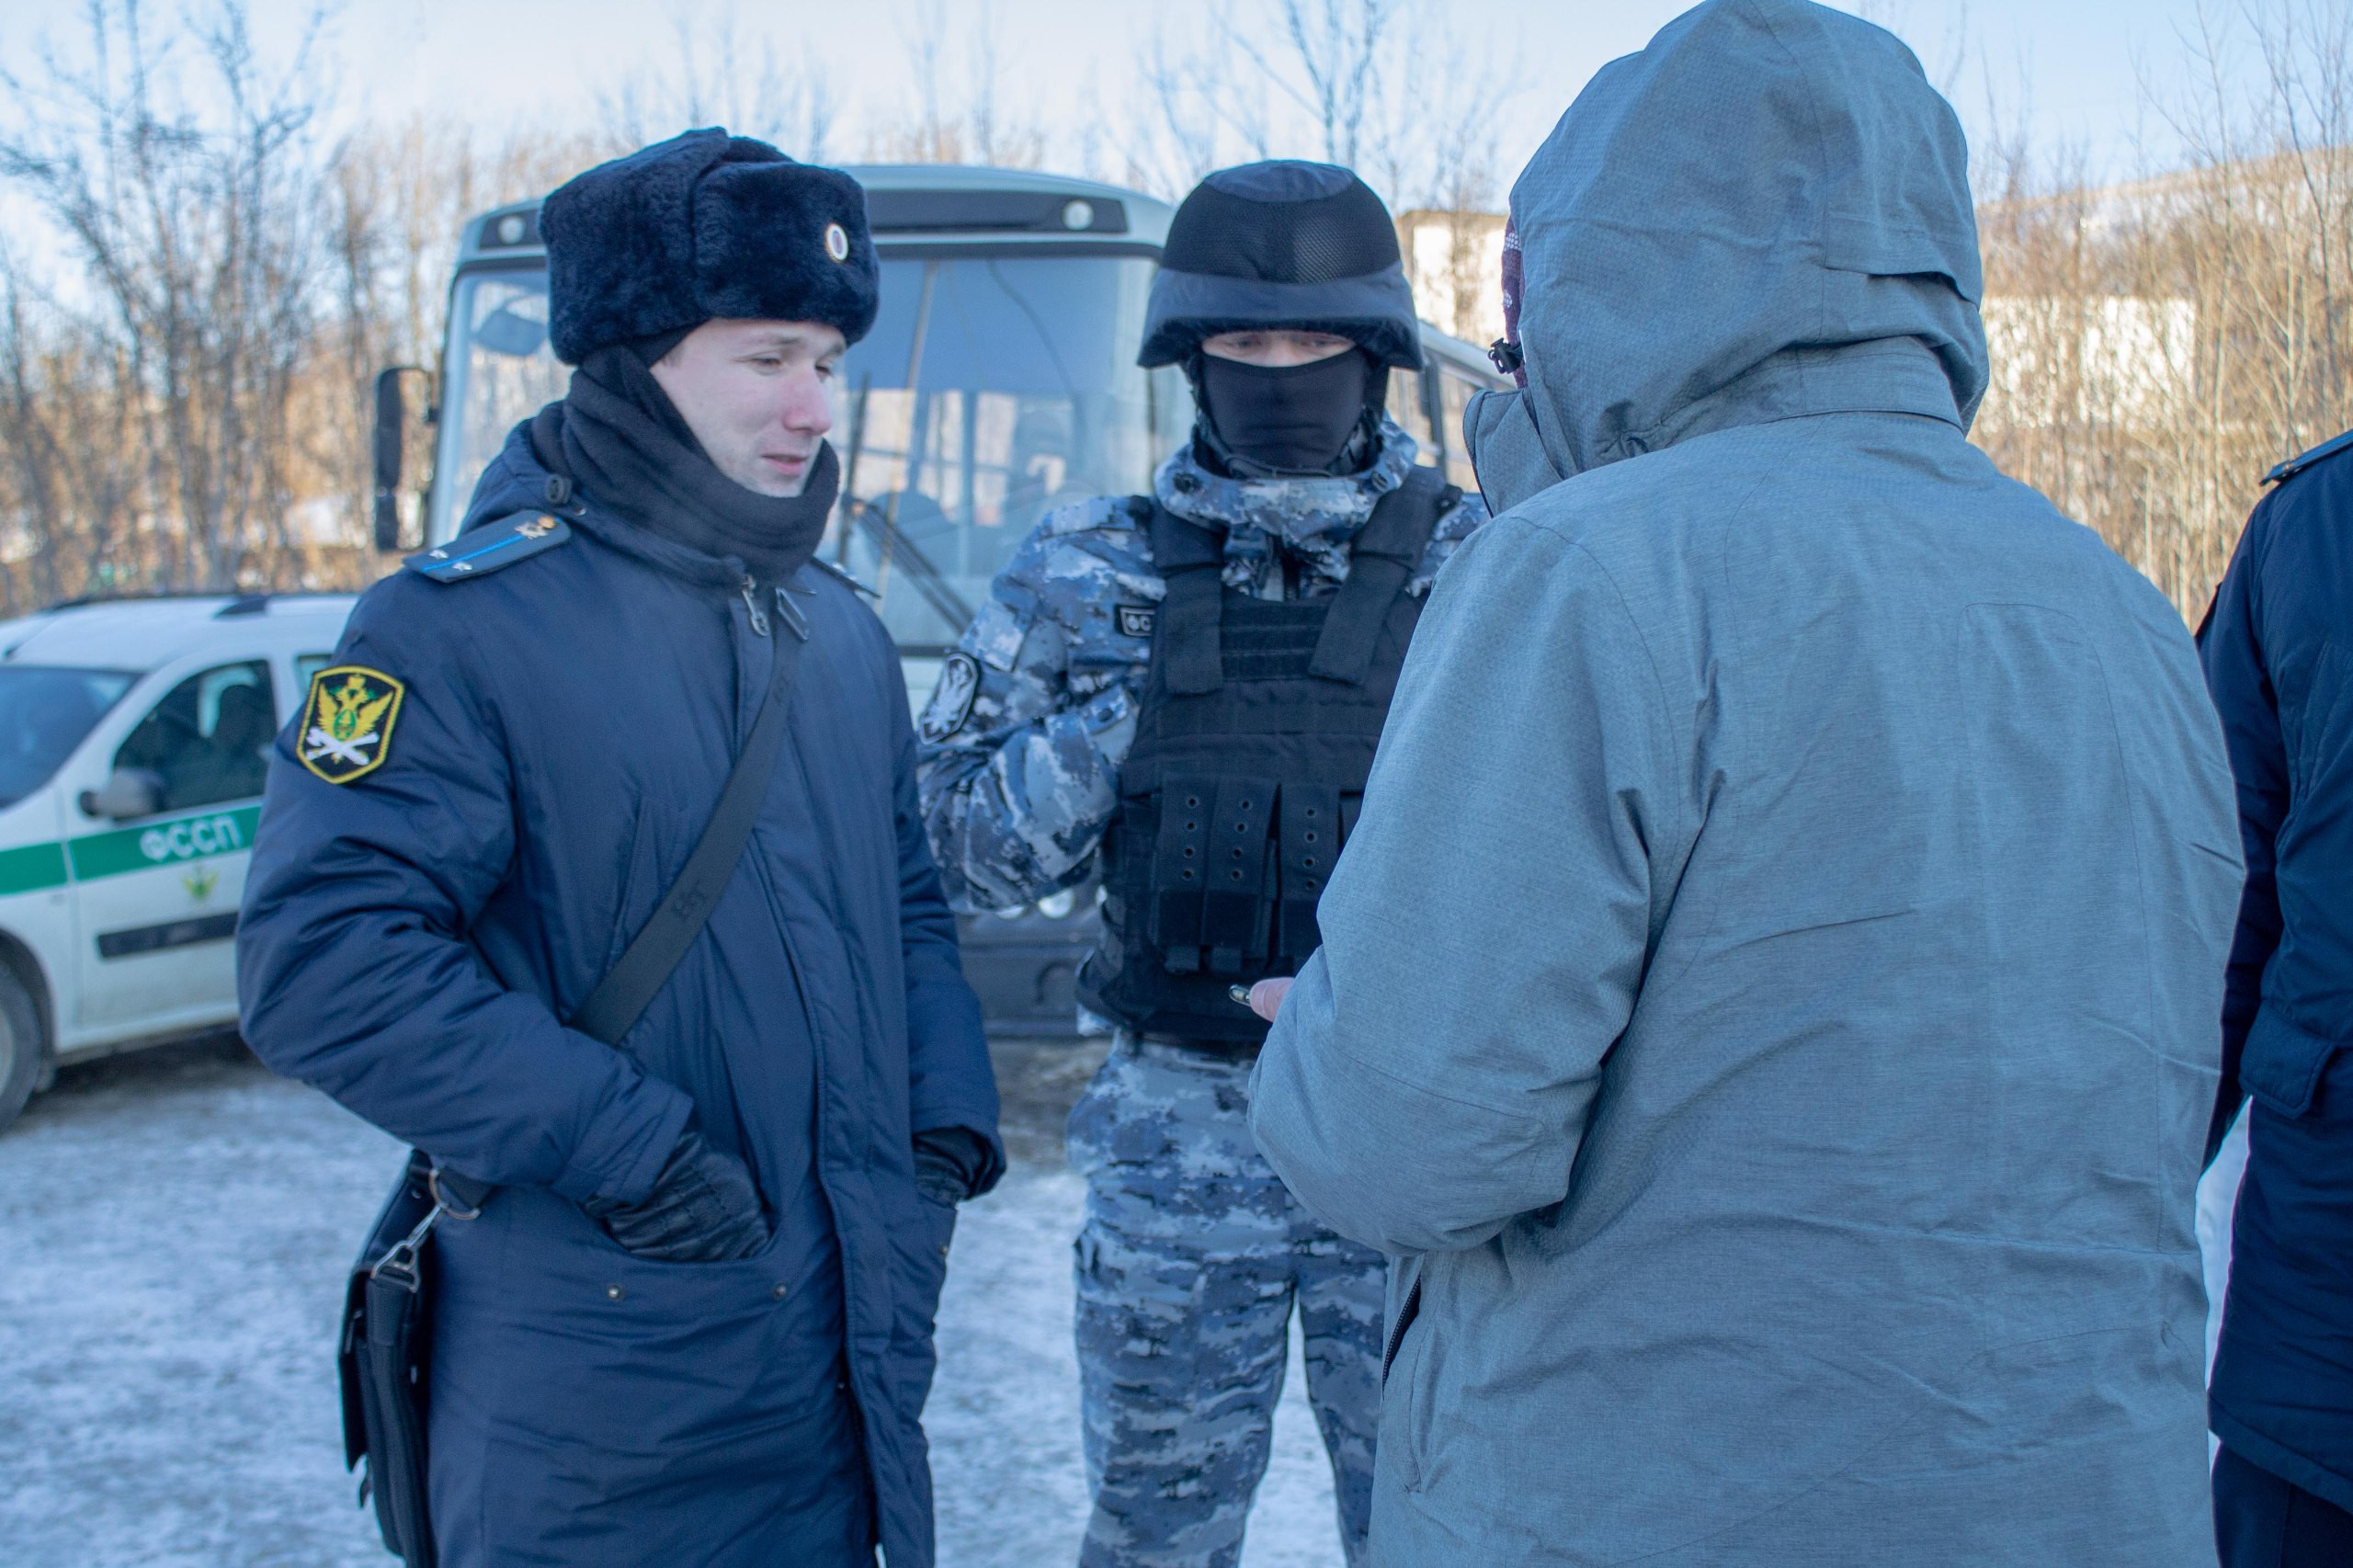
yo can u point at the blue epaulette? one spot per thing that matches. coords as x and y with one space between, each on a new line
828 566
492 547
2297 465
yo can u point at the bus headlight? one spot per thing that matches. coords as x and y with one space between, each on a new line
1057 905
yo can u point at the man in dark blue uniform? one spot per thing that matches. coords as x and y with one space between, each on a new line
2277 647
693 1321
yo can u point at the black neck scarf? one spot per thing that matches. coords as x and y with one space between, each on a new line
618 436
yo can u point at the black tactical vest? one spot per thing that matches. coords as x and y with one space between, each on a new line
1251 752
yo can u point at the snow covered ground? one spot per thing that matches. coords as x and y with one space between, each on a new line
174 1231
2218 1195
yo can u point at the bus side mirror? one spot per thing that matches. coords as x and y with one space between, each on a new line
128 793
391 435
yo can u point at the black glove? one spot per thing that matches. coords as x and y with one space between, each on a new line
703 1208
949 1162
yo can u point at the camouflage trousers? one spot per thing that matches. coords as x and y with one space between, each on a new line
1192 1259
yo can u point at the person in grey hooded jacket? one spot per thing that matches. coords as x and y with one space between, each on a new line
1770 1005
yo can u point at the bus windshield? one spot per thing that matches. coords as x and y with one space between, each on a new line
992 388
498 373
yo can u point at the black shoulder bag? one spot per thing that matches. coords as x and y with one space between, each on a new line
387 1338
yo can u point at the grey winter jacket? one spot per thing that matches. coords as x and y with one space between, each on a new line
1770 1001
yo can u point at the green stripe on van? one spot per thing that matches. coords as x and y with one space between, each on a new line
32 868
165 843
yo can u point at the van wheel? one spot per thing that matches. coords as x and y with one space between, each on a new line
20 1048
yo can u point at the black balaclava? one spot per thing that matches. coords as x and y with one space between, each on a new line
1269 422
618 436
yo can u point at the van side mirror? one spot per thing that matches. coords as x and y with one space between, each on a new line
128 793
391 436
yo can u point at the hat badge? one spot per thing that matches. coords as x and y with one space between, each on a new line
836 242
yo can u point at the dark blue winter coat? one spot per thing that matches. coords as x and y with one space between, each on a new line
2278 653
411 937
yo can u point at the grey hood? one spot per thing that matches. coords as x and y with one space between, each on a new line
1699 254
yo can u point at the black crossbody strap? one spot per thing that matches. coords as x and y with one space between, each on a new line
1381 562
639 974
645 966
1192 561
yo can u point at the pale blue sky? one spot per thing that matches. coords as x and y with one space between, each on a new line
2070 69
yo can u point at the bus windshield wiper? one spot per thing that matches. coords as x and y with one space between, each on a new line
890 541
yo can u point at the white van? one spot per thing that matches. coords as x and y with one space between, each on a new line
134 735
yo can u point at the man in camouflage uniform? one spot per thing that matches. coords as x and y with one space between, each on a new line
1194 1255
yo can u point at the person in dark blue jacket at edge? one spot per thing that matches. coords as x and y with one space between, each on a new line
2278 646
694 1324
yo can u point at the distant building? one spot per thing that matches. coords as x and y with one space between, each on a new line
2137 306
1455 260
2108 359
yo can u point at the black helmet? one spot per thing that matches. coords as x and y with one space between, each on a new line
1281 244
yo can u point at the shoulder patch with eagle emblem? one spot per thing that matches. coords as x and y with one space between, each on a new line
951 699
347 721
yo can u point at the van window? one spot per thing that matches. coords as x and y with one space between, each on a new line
208 740
44 713
308 664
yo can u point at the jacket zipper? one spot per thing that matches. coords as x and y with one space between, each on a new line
752 604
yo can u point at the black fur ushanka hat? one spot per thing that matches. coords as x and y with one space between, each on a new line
702 225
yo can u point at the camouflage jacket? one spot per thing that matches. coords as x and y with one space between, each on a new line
1024 735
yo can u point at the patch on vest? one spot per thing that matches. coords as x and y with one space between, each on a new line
951 699
347 721
1135 620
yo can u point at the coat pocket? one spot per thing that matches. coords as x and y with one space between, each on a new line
918 1271
921 1254
1406 1291
1405 1395
2281 1065
565 1340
